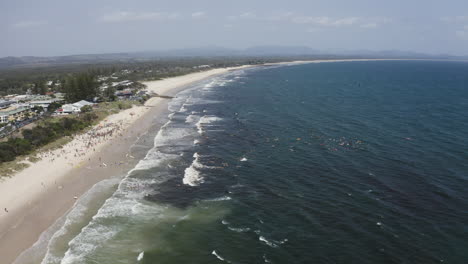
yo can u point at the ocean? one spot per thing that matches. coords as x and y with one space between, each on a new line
344 162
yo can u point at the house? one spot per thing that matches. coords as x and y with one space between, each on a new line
125 83
124 93
42 103
15 114
82 103
72 108
67 109
5 104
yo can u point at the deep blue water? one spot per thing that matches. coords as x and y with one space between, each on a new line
349 162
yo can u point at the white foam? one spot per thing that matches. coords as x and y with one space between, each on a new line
269 243
206 120
153 158
239 230
192 176
243 159
217 255
265 259
76 214
170 135
176 103
183 108
98 231
191 118
140 256
196 142
219 199
87 241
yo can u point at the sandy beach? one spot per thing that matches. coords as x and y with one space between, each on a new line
33 199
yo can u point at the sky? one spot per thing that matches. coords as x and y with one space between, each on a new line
64 27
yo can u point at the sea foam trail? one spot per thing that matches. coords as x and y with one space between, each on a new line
192 118
192 176
140 256
205 121
219 257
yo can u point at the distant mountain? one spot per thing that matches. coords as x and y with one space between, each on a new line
192 52
280 51
258 51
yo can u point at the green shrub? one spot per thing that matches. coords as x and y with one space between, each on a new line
86 109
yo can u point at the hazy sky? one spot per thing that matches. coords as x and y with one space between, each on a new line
61 27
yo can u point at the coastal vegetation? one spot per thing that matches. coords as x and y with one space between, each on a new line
62 78
44 133
51 133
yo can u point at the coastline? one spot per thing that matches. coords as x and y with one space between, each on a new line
39 195
42 193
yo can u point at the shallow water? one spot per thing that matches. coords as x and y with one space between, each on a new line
350 162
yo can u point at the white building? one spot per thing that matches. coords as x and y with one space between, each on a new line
72 108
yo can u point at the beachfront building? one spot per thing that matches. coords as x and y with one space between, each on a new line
43 103
124 93
122 84
72 108
67 109
82 103
15 114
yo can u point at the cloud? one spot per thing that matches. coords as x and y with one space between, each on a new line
462 34
326 21
138 16
369 25
243 16
198 14
29 24
314 21
313 30
455 19
280 16
459 23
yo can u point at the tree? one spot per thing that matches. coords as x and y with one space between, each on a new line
82 86
40 87
53 106
109 93
86 109
37 109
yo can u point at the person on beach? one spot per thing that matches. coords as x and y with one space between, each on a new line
6 210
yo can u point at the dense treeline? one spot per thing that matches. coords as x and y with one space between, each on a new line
43 134
19 80
82 86
40 87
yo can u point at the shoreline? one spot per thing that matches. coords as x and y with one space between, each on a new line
41 194
44 192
